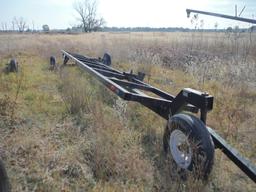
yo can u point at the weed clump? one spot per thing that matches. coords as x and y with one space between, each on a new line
76 96
7 110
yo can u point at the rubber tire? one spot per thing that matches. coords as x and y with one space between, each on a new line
197 133
4 182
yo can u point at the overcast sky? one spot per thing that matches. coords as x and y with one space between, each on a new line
126 13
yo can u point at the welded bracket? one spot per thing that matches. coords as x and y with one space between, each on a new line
201 100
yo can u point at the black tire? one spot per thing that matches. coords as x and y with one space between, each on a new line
200 148
4 182
13 66
106 59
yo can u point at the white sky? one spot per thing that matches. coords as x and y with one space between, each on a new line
125 13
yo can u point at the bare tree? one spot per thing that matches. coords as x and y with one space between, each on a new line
13 25
20 23
33 26
87 12
4 26
216 26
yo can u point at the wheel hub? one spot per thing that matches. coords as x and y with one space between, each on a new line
180 149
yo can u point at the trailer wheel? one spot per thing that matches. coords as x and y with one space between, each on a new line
190 145
4 182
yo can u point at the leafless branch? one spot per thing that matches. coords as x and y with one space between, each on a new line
20 23
87 15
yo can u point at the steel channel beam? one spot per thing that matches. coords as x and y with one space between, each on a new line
159 106
222 16
92 61
110 71
110 74
131 84
100 67
157 91
245 165
89 62
120 91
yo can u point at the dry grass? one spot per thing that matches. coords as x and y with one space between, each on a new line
60 135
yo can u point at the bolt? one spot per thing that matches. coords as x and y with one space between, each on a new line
205 94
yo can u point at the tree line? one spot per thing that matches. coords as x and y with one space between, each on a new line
89 21
87 18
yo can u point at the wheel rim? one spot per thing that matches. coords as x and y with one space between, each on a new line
180 149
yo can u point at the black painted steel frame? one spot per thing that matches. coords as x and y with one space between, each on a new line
253 21
128 86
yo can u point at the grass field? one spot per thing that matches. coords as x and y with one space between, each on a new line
60 135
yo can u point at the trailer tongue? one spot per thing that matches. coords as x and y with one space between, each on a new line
187 139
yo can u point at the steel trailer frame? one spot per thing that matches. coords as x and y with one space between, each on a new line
128 86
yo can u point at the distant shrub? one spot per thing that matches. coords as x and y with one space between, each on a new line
7 110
